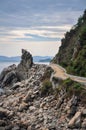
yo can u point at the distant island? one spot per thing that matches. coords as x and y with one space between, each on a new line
18 58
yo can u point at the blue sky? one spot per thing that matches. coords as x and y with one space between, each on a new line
36 25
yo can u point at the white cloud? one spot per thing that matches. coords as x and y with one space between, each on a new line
36 48
14 34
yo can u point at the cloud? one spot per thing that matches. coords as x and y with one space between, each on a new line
35 47
37 20
33 33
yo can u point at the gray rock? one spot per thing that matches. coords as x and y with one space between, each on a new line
25 64
84 112
1 91
3 113
10 78
16 128
2 128
7 70
84 124
7 75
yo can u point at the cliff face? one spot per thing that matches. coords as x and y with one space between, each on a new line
72 53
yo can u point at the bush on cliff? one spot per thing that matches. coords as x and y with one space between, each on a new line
46 88
71 88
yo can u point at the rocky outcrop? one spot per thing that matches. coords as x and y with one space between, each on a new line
26 60
25 64
14 74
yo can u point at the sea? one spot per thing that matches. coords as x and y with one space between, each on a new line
6 64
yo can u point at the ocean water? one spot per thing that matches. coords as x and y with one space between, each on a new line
6 64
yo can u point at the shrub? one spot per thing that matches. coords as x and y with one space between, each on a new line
47 73
67 82
46 88
74 88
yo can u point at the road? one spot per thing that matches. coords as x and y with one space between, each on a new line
61 73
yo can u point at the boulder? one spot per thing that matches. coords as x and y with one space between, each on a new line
75 122
3 113
23 106
5 76
84 112
28 96
17 85
6 71
84 124
1 91
10 78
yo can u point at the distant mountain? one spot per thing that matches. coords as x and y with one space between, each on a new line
42 58
18 58
10 59
45 60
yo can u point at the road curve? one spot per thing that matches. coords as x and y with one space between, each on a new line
61 73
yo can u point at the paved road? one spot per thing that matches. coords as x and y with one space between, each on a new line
61 73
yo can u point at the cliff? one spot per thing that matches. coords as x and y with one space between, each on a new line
72 52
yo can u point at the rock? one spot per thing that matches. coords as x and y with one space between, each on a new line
60 101
16 128
75 121
10 78
17 85
2 91
26 59
2 128
2 123
25 64
84 124
32 108
7 70
23 106
72 105
29 128
28 97
44 129
3 113
42 104
84 112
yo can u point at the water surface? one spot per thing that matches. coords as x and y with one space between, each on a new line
6 64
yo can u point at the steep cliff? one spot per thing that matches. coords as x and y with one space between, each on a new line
72 53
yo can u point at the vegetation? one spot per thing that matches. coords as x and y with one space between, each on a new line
72 88
75 63
47 73
46 88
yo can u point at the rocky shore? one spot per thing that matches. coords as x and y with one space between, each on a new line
23 107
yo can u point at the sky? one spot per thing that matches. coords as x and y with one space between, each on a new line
36 25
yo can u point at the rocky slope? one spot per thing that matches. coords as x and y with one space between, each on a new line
72 53
29 101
